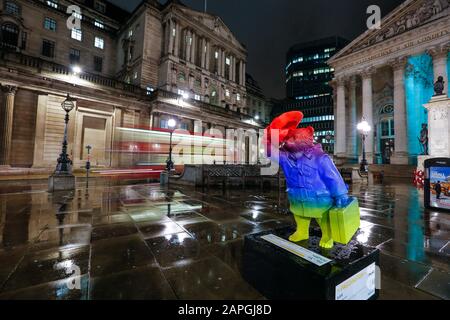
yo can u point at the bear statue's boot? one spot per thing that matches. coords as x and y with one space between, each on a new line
302 232
327 241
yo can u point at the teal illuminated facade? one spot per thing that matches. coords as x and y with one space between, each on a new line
385 77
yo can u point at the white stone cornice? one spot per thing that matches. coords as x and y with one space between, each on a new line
398 63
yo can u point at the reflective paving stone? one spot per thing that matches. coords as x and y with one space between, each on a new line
114 230
188 217
208 233
436 283
111 219
394 290
76 236
209 279
257 216
404 271
154 230
9 260
140 284
48 266
67 289
176 249
119 254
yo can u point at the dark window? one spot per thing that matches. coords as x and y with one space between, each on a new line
23 44
100 6
50 24
12 8
98 64
74 56
10 35
48 48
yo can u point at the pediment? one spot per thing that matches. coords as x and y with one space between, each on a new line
406 17
212 22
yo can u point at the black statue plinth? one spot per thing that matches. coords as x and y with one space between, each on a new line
280 275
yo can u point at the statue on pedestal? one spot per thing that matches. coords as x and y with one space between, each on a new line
424 139
316 189
439 86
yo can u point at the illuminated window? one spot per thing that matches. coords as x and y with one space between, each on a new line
174 32
99 24
99 43
216 55
227 61
130 33
53 4
77 34
238 97
50 24
197 97
227 92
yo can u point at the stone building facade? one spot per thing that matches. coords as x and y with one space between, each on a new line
385 76
126 70
258 105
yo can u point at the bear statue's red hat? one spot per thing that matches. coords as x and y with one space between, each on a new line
285 123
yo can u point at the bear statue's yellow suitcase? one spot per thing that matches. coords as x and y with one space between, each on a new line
345 222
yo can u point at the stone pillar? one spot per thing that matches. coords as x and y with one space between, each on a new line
193 47
6 116
177 39
188 45
244 71
367 110
401 136
208 54
440 57
230 75
233 67
171 37
241 69
340 122
222 67
203 59
352 132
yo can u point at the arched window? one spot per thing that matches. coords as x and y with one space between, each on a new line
10 35
12 8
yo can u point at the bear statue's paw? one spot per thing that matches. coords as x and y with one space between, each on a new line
299 236
326 243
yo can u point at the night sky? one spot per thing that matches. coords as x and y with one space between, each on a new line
269 27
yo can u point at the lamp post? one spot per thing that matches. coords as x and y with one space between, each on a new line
64 162
364 128
172 124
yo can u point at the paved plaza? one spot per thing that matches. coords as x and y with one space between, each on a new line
141 241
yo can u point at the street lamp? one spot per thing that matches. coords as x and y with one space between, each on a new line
172 124
64 163
364 128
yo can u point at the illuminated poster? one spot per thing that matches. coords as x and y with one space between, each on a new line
440 187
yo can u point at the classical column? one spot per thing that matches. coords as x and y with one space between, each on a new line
233 67
193 47
401 136
223 63
241 77
340 122
188 45
244 71
352 145
203 53
208 54
171 36
440 57
367 110
177 39
7 113
230 75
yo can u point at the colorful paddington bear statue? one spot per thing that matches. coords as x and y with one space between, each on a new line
316 189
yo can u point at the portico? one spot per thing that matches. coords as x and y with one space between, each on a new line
385 76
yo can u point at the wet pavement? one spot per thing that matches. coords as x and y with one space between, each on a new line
139 241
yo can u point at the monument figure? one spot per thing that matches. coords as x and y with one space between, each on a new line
424 139
439 86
